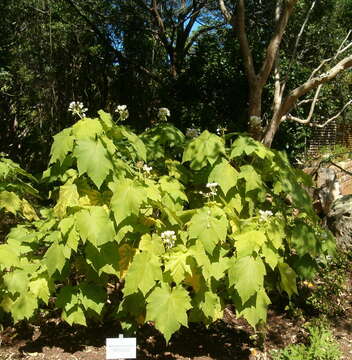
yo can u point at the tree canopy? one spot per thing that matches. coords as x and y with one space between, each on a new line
247 66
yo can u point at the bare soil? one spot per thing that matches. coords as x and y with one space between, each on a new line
224 340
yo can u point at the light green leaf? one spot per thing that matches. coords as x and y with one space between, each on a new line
249 242
209 225
276 232
40 288
28 211
16 281
252 178
244 145
288 279
106 118
271 255
224 174
24 307
143 273
54 258
176 264
62 145
92 159
168 308
127 199
255 309
173 188
210 305
87 129
68 197
218 268
94 225
10 201
204 149
247 276
8 256
153 244
136 143
74 316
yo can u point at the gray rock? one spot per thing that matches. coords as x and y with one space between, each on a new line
339 221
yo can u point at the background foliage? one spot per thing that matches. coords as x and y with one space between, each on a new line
106 53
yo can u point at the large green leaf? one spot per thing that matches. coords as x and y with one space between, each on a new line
55 258
288 279
252 178
87 128
94 225
247 276
93 297
135 142
168 308
8 256
255 309
40 288
203 150
176 263
224 174
248 242
244 145
127 199
304 240
210 304
92 159
62 145
142 274
16 281
24 306
75 316
68 197
209 225
10 201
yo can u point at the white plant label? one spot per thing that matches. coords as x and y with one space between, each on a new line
121 348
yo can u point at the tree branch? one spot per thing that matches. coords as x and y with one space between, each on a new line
333 117
275 41
313 83
311 110
225 12
245 49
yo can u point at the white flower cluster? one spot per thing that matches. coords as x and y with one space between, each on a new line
77 108
163 114
221 130
147 168
122 111
168 238
255 121
192 132
213 188
264 215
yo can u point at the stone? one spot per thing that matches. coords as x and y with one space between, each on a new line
339 221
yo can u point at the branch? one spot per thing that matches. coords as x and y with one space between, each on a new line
195 36
246 51
333 117
275 41
313 83
311 110
225 12
299 36
340 50
277 83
